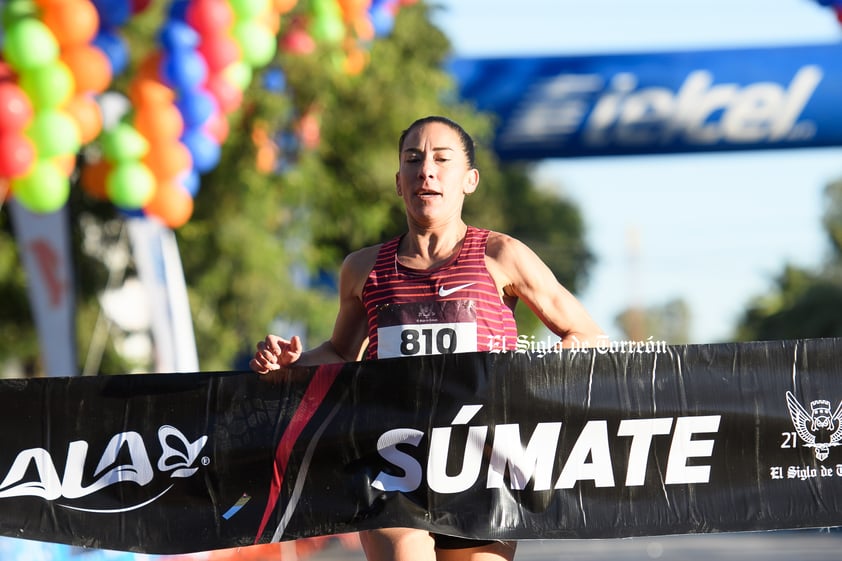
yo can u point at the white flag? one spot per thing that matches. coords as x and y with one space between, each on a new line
159 267
44 244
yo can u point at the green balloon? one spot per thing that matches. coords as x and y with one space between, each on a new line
257 43
45 189
239 74
326 8
249 9
28 44
327 29
49 85
124 143
54 133
16 10
130 185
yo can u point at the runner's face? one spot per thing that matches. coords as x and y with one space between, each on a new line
434 175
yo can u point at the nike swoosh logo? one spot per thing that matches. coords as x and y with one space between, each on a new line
448 291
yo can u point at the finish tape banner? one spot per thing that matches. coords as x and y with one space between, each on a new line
612 441
657 103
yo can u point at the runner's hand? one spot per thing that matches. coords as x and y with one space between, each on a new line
273 353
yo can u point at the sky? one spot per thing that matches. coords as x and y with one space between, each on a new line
712 229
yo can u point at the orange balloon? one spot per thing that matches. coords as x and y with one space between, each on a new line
65 162
73 22
90 67
149 91
355 61
171 204
150 67
86 112
283 6
363 28
168 160
351 9
271 19
92 179
159 122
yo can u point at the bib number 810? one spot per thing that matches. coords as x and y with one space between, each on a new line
428 341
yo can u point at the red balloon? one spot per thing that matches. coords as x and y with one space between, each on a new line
140 5
298 42
210 17
219 51
6 72
227 95
15 107
218 127
17 154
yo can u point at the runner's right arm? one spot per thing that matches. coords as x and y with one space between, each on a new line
350 331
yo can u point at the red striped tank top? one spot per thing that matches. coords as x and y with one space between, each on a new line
452 308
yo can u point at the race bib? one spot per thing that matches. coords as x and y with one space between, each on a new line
426 328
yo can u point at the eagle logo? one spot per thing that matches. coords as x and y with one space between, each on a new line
820 429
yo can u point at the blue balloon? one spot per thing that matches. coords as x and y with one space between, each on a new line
131 212
177 35
204 149
196 107
382 19
113 13
184 70
288 142
178 10
192 182
110 42
274 80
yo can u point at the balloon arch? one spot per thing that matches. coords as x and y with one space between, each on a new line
60 58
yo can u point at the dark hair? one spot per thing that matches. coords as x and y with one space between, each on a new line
464 137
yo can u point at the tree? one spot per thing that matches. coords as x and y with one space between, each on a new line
266 244
803 303
668 322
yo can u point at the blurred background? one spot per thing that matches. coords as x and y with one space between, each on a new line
179 178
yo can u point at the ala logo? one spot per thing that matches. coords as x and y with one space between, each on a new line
125 459
819 429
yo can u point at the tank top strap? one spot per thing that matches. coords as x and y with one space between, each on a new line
388 253
475 241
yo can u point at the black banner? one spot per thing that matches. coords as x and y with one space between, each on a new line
624 440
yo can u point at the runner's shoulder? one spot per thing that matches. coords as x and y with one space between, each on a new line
358 264
502 247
